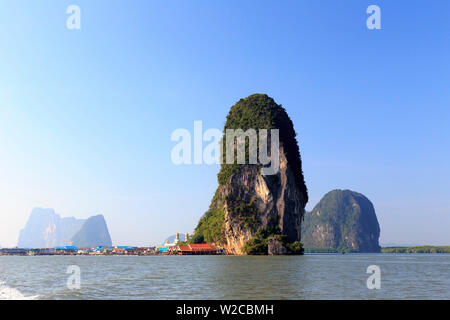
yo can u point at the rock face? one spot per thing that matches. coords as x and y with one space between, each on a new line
343 221
46 229
248 207
94 232
275 247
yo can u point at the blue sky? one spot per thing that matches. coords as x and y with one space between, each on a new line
86 115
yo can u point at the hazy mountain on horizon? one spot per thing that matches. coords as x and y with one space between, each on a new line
171 239
94 232
46 229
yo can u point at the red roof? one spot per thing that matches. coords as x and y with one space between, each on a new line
202 247
197 247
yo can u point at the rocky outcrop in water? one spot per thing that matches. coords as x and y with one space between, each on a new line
343 221
250 210
46 229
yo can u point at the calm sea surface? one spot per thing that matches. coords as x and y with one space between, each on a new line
408 276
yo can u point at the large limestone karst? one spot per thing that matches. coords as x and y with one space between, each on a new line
252 213
343 221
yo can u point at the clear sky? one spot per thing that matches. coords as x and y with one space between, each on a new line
86 115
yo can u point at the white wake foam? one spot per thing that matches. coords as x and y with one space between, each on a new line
7 293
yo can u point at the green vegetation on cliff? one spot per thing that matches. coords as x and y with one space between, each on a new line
417 249
244 211
210 228
259 111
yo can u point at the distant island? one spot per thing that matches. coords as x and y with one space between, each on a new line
417 249
342 221
46 229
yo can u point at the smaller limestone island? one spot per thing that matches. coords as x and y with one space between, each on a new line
94 232
252 213
343 221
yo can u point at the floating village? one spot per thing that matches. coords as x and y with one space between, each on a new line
176 248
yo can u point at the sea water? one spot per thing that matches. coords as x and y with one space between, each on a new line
321 276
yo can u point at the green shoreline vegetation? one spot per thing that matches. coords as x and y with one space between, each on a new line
417 249
260 242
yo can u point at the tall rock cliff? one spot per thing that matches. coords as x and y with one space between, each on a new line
343 221
252 213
